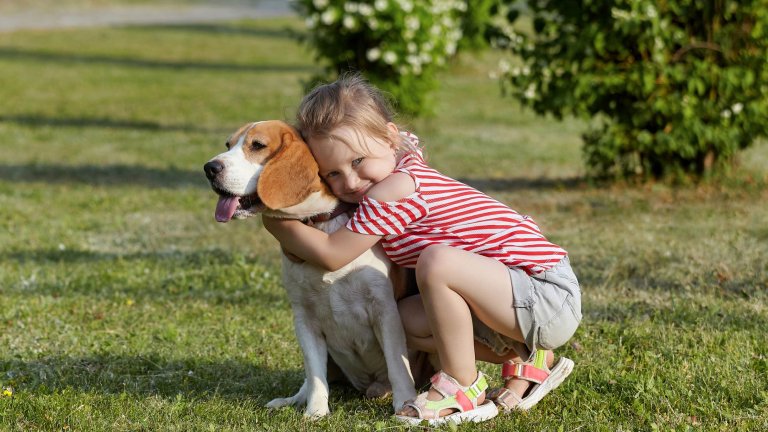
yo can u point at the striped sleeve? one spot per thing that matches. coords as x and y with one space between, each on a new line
387 218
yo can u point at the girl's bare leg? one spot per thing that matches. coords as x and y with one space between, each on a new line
420 337
454 284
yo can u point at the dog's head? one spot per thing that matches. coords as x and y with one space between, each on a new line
267 168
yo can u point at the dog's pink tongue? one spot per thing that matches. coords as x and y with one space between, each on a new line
225 208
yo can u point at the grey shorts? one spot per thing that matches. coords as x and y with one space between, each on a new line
548 310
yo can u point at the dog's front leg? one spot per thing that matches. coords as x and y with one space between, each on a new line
314 390
315 364
391 336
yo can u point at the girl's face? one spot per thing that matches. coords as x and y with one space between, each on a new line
352 169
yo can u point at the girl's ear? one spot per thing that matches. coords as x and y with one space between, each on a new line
394 135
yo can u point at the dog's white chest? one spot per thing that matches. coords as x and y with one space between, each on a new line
341 305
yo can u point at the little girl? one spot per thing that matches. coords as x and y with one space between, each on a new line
491 286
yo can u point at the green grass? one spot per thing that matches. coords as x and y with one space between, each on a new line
23 6
124 306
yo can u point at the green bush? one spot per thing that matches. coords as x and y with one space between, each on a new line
675 88
399 45
477 24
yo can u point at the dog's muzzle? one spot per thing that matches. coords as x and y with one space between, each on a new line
230 205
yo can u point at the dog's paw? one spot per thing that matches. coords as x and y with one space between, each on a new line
399 400
280 402
315 413
377 390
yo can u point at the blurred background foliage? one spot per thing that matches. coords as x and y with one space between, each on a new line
672 90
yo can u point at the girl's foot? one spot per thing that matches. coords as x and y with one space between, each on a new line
526 383
448 401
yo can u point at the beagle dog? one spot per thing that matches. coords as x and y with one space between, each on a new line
348 317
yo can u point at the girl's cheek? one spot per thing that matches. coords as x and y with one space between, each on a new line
335 188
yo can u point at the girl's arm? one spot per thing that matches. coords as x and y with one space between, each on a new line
334 251
329 251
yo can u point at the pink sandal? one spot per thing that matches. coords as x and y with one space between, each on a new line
455 396
537 372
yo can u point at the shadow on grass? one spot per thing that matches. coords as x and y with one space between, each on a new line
176 178
209 257
16 54
151 374
104 122
214 276
221 29
104 175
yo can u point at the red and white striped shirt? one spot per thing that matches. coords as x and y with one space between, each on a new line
445 211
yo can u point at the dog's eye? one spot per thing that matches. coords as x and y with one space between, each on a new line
227 145
256 145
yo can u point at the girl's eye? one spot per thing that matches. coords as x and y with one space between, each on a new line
331 174
356 162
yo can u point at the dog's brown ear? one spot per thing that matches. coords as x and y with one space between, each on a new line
290 176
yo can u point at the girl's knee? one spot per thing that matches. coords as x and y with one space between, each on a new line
430 263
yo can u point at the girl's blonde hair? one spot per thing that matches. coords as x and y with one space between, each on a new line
350 101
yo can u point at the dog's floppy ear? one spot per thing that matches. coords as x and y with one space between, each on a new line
290 175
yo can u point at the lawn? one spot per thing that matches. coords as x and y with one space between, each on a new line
124 306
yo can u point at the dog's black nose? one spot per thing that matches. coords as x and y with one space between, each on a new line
212 168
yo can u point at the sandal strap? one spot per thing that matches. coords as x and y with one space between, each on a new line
535 371
448 385
455 395
507 399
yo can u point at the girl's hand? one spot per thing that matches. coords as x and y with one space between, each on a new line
330 252
283 231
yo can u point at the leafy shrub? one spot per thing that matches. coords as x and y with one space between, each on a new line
399 45
677 87
477 24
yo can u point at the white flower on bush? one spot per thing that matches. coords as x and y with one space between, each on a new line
366 10
406 5
504 66
650 12
406 36
349 22
389 57
737 107
373 54
329 16
450 48
412 23
530 92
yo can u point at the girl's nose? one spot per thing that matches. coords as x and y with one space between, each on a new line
351 181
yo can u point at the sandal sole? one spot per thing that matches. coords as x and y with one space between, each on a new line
559 373
486 411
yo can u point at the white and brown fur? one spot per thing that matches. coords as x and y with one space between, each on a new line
349 316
